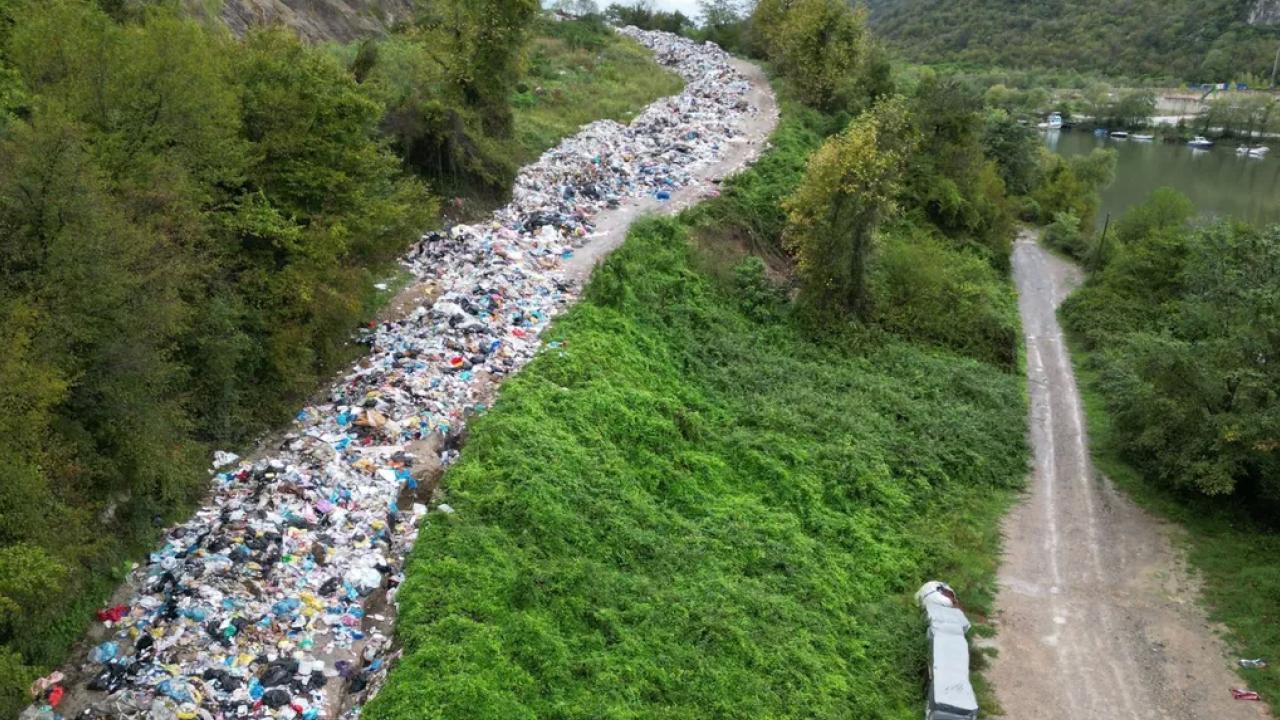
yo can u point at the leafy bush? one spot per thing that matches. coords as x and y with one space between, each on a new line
929 292
1184 322
850 187
1064 234
1071 187
824 50
758 298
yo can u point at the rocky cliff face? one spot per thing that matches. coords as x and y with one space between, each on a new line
315 20
1265 12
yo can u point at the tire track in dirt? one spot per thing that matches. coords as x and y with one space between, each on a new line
1097 611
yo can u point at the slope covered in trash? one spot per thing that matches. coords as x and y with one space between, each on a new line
691 509
273 600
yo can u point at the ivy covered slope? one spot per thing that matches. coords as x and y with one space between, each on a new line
683 512
1191 40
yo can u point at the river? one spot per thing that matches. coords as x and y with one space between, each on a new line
1219 182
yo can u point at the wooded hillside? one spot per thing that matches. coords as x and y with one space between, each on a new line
1186 40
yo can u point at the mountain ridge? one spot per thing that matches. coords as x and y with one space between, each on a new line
1185 40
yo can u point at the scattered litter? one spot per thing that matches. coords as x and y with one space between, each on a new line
255 607
1255 664
112 614
222 458
1243 694
381 286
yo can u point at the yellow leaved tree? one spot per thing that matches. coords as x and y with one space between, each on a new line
849 188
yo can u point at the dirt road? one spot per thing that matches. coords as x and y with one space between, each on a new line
1097 612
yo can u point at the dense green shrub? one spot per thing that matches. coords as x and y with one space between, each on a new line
1064 234
824 50
849 188
926 290
1183 320
1070 189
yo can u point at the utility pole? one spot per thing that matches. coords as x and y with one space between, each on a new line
1275 66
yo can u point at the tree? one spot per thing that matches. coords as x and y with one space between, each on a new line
722 23
1073 186
1015 149
580 8
850 187
1196 401
820 45
643 15
950 179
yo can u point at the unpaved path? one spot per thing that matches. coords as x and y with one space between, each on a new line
1097 611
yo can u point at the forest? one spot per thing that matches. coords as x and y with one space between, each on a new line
1197 41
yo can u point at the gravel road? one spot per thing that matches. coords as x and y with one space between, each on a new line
1097 613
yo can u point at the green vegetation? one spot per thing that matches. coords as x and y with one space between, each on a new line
706 500
1175 342
1183 320
1186 40
1233 550
825 50
1068 197
691 511
848 189
190 229
581 72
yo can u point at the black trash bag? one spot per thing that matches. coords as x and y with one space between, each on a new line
276 698
279 672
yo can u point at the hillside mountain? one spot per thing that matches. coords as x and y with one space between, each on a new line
1190 40
315 20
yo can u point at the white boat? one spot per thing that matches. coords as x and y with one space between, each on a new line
1259 151
1142 138
1120 135
1201 142
1053 122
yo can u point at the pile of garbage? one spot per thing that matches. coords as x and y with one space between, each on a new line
276 598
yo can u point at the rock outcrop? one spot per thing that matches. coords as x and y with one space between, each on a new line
1265 12
314 20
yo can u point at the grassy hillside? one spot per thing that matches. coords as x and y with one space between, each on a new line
1190 40
685 513
578 73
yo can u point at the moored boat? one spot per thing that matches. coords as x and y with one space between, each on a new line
1053 122
1120 135
1201 142
1142 138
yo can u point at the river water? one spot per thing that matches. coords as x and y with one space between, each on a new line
1219 182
